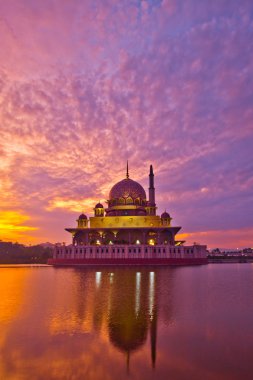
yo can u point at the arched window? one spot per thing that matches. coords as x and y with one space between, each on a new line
121 201
137 201
129 201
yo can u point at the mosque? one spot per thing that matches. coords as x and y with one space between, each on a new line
127 231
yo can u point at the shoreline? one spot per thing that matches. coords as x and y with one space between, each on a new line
210 261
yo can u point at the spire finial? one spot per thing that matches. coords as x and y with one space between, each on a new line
127 174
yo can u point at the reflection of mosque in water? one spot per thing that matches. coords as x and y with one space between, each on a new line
125 305
133 311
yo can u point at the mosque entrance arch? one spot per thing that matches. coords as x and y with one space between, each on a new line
166 237
152 237
109 237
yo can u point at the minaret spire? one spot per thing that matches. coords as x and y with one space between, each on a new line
152 191
127 173
153 337
128 362
151 177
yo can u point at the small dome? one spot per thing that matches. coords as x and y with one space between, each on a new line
99 205
127 188
165 215
82 216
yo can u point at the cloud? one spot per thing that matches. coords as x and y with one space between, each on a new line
13 226
95 84
72 205
229 239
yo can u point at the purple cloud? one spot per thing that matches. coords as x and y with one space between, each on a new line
84 86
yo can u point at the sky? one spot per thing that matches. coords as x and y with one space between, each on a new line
86 85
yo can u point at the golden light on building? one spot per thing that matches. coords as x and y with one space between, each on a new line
127 228
128 218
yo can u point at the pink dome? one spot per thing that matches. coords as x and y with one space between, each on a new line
127 188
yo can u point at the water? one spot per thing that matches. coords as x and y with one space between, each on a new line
119 323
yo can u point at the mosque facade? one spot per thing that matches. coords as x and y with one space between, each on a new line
127 231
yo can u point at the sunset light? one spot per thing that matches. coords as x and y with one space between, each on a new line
167 84
126 189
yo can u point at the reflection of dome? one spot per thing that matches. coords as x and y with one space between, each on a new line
127 188
128 327
165 215
82 216
99 205
128 332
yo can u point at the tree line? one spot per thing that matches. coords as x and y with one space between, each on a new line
15 253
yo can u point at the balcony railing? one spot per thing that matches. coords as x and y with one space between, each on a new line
129 251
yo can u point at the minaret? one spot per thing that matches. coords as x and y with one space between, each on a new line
152 192
127 173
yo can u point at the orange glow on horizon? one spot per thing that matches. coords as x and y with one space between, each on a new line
12 226
219 238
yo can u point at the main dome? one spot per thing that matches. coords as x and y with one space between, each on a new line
127 188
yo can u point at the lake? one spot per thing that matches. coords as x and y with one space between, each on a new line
127 323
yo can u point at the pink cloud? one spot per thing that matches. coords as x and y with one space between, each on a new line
86 86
